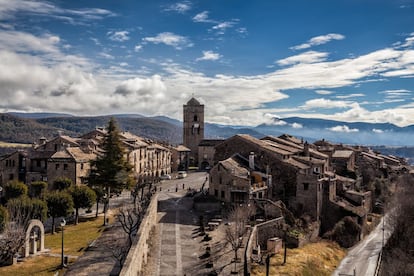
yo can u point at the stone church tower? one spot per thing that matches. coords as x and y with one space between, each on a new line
193 128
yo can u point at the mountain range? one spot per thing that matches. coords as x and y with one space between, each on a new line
28 127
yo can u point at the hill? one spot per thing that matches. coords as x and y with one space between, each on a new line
20 130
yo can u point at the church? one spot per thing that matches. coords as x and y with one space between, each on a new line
202 150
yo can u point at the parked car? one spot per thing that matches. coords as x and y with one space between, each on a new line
181 174
165 177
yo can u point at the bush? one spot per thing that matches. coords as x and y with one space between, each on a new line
4 218
15 189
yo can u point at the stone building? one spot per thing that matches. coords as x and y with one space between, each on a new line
69 157
206 151
237 180
193 128
13 167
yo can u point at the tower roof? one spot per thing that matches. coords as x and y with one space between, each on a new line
193 101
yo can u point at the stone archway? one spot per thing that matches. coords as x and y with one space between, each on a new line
30 245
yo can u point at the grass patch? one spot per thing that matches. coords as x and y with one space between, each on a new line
39 266
76 237
76 240
13 145
313 259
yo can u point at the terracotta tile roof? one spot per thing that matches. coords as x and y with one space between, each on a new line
296 164
342 154
79 155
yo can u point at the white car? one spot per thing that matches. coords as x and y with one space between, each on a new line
165 177
181 174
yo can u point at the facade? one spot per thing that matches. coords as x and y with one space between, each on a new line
206 151
193 128
69 157
236 180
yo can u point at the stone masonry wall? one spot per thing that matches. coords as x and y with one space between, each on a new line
138 252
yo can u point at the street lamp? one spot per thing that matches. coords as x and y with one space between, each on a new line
105 196
62 224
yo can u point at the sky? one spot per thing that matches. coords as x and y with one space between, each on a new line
248 62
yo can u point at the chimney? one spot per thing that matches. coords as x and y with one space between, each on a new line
306 149
251 160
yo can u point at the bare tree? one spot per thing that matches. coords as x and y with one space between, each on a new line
236 230
399 250
130 219
13 237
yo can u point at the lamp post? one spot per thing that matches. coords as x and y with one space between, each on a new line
105 207
62 224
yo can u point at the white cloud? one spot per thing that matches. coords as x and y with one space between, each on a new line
170 39
180 7
202 17
138 48
350 96
25 42
343 128
223 26
307 57
318 40
297 125
325 103
106 55
323 92
9 9
119 36
209 55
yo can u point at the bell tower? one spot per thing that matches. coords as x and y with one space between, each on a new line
193 128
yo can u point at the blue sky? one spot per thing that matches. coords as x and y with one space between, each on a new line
247 61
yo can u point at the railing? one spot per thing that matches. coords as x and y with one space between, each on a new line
379 261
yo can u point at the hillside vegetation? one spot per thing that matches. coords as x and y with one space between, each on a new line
313 259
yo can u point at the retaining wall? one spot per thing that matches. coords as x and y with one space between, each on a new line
138 253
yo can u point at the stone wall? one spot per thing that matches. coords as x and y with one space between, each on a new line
138 253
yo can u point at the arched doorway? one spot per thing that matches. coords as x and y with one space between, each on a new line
35 231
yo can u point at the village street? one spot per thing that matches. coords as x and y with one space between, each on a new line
178 251
362 258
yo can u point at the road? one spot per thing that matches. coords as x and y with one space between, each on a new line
178 249
363 257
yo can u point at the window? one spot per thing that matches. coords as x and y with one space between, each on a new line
222 194
220 180
56 147
305 186
65 167
11 176
38 164
195 118
81 166
57 166
216 192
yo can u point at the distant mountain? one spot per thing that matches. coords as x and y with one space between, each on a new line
341 132
21 130
38 115
141 126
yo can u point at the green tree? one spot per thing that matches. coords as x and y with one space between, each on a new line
62 183
83 197
37 189
27 208
111 169
4 218
99 192
15 189
59 204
